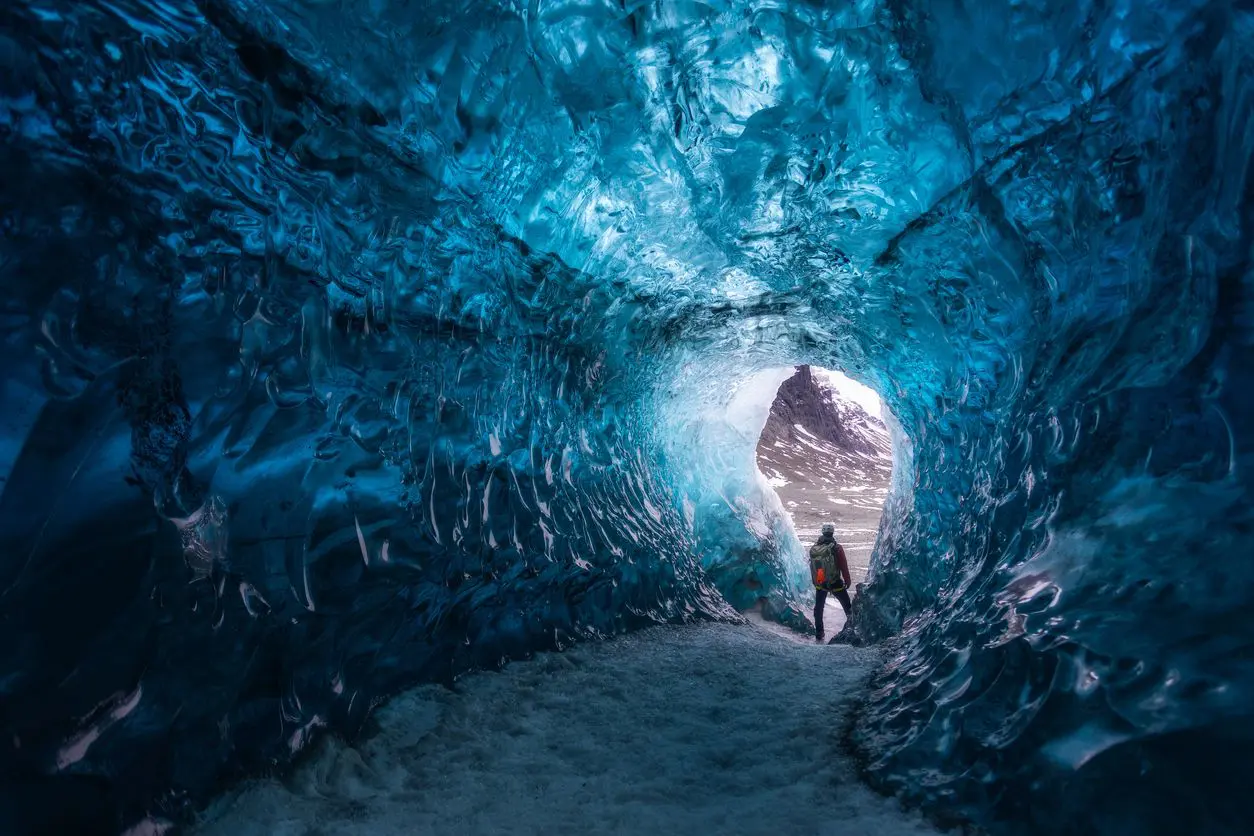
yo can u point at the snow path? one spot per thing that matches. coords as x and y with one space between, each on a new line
712 728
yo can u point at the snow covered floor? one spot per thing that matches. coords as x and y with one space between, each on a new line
676 730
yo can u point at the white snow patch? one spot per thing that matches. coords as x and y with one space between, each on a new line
712 728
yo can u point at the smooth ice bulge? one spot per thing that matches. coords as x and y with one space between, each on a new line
353 345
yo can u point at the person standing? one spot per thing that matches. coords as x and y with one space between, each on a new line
829 569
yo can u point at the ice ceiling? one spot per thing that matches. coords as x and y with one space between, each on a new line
352 344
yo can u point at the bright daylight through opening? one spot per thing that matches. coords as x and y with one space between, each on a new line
827 452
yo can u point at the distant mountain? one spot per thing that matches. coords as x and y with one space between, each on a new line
805 404
829 461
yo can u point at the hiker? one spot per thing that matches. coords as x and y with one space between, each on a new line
830 572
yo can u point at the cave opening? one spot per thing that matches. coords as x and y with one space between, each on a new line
827 451
828 454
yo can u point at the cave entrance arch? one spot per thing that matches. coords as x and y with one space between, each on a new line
827 452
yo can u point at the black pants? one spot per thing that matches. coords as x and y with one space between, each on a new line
820 599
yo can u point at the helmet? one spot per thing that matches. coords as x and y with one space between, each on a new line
828 528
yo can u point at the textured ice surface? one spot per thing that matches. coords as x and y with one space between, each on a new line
710 729
351 345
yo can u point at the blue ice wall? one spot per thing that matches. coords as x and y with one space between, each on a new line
348 345
1076 645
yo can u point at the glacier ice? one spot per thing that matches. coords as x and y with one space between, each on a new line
352 345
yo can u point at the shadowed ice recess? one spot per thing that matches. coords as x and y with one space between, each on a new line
350 346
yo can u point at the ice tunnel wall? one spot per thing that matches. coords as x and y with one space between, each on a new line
744 537
352 345
1068 576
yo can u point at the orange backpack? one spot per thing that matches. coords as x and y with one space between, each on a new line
823 568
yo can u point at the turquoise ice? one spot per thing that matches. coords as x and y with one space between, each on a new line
350 346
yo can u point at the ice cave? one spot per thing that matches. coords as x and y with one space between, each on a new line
366 361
